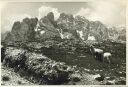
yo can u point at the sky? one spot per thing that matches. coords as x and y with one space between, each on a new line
109 12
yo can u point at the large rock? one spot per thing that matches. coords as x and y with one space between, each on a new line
22 31
46 27
66 21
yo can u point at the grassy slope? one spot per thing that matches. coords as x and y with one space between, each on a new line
82 58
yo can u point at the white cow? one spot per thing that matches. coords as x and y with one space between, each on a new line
107 56
97 53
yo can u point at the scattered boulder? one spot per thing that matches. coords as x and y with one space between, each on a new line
100 78
76 77
110 83
110 78
19 82
96 76
5 78
121 82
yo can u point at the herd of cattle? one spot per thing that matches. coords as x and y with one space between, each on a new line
100 55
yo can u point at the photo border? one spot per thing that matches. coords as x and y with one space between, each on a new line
8 1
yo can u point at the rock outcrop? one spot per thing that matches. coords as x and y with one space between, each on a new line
22 31
81 27
46 27
117 33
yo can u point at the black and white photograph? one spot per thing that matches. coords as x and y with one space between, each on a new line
63 43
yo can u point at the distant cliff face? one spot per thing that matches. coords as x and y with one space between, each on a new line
117 33
46 27
83 27
22 31
122 35
65 27
3 35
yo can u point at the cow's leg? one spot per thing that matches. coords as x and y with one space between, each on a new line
108 60
100 59
103 59
96 56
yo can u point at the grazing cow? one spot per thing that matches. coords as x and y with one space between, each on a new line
97 53
107 56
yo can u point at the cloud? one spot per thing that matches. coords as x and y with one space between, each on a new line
110 12
19 17
2 5
44 10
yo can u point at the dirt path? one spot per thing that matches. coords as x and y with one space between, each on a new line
9 77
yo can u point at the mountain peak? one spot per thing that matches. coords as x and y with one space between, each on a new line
66 25
50 16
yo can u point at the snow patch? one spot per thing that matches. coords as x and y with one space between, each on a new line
81 34
42 32
91 38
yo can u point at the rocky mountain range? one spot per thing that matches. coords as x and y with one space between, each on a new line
65 27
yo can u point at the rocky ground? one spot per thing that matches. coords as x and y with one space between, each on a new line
64 58
11 78
14 79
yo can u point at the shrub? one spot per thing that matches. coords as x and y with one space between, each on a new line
14 57
38 66
50 71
